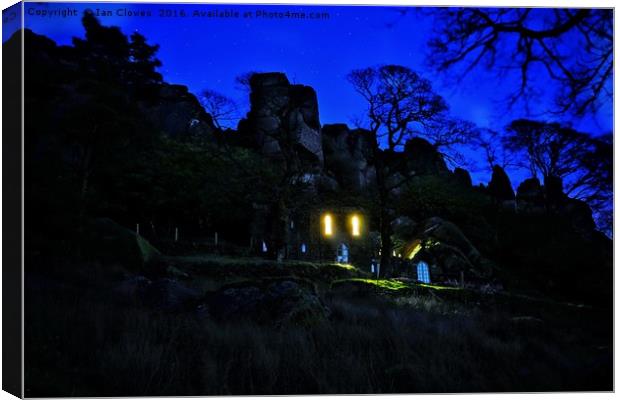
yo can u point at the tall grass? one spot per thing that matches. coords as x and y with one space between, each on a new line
83 343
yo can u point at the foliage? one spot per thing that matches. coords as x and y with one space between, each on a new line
435 195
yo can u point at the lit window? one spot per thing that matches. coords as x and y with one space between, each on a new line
328 225
355 225
423 274
303 247
264 247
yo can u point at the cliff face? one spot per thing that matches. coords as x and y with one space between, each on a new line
283 118
179 113
348 156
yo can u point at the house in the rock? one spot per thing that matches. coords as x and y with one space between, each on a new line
339 234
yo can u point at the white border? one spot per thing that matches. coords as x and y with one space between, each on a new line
489 3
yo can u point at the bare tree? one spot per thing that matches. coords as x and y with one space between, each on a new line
450 136
533 41
399 103
222 109
494 152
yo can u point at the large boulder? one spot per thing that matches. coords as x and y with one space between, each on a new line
462 176
348 155
274 302
499 186
423 158
283 115
449 234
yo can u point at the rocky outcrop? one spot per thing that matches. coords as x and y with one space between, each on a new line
499 186
423 158
179 113
283 118
419 158
530 197
500 189
449 234
550 199
579 214
462 177
347 156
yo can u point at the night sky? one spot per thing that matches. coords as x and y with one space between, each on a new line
203 52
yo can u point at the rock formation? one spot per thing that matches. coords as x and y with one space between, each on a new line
348 155
282 117
462 176
179 113
530 197
423 158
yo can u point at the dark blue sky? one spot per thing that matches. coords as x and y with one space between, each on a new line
205 52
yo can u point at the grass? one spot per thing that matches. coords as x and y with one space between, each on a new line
210 272
407 338
384 284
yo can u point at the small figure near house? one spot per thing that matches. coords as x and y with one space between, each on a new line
374 267
343 253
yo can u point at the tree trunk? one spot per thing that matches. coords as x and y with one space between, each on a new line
384 219
386 243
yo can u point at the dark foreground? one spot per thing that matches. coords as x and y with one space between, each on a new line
89 338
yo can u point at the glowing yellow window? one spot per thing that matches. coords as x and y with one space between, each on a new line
328 225
355 225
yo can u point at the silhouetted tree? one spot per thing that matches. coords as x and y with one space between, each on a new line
532 41
399 103
584 163
104 52
494 152
449 136
143 61
222 109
